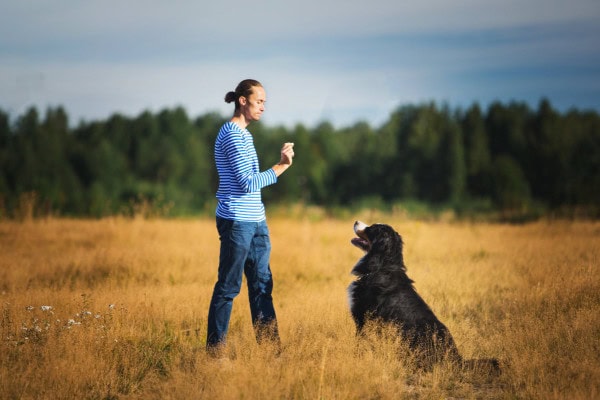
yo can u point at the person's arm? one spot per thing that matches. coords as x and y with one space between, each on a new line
242 167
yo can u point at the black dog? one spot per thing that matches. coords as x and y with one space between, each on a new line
384 292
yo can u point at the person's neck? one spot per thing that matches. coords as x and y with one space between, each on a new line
240 121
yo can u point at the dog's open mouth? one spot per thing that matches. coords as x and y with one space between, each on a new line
361 243
361 240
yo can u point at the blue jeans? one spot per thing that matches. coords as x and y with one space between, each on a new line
245 248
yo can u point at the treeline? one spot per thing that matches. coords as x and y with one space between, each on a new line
506 158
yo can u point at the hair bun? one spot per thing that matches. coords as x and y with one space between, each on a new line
230 97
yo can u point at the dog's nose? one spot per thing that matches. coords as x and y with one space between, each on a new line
359 226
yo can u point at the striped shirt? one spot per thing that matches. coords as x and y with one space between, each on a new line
240 179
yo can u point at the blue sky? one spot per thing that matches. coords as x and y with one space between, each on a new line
319 60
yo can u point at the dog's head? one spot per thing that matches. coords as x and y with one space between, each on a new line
381 238
380 241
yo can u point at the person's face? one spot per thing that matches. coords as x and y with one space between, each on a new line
254 105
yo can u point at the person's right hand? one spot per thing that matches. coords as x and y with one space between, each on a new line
287 154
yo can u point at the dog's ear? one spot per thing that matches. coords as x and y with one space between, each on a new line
385 240
383 236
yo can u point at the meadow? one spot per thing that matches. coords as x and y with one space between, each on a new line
116 308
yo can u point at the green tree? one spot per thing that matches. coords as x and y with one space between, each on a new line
550 147
477 153
5 144
582 183
357 175
188 162
402 165
452 156
508 127
510 187
423 152
434 152
207 128
323 153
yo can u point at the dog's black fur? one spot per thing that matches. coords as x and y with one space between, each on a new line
385 293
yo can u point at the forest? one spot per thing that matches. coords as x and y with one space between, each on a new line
507 159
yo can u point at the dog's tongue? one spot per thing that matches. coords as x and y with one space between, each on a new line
360 243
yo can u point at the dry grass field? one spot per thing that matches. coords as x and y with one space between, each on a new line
116 309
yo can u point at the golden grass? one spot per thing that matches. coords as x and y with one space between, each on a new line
129 299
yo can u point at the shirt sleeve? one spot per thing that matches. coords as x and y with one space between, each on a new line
244 165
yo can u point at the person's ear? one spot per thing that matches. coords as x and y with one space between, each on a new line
243 100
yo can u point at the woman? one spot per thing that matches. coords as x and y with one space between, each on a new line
241 220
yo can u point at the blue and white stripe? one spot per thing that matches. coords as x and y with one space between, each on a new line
240 179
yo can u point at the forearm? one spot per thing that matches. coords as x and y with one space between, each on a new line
256 181
280 168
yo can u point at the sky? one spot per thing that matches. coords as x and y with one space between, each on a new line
343 61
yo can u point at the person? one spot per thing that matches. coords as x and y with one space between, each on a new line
241 220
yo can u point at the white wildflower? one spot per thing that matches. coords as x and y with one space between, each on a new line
111 306
46 308
29 308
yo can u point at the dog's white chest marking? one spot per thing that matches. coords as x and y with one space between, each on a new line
351 294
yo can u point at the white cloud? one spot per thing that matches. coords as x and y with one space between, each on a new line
320 60
261 20
294 95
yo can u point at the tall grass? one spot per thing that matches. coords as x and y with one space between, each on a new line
116 308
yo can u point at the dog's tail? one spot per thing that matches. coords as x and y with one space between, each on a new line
489 366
